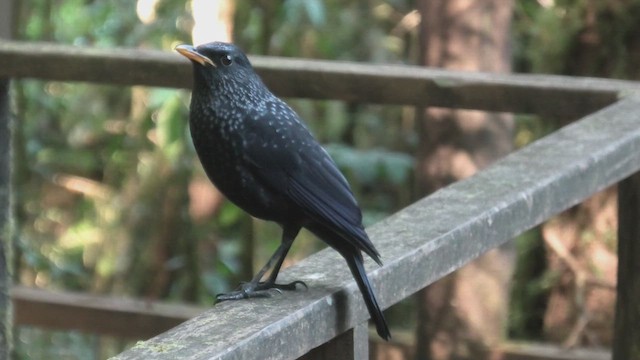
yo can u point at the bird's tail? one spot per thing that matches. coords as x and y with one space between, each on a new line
356 266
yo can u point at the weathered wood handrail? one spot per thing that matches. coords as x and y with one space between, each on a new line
420 244
560 96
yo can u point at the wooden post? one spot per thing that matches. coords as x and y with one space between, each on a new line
626 343
6 29
353 344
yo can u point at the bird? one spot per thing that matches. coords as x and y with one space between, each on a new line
260 154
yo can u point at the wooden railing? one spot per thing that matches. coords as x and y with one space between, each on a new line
424 241
97 314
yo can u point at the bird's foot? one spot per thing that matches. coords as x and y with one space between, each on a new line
259 290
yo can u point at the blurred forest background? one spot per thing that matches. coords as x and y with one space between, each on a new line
111 199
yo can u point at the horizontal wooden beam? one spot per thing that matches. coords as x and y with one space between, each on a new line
419 245
541 351
366 83
114 316
404 343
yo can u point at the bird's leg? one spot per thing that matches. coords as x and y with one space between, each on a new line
271 280
257 288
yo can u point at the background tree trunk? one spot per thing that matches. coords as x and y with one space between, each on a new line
465 313
213 20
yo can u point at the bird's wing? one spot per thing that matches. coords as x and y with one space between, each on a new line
293 164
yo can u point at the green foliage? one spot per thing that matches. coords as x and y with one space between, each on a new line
380 175
300 11
373 166
577 37
346 30
545 35
528 298
41 344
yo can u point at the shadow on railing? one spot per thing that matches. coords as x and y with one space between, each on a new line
424 241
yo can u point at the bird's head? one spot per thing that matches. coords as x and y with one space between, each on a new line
218 63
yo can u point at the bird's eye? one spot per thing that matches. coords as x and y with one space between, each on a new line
226 60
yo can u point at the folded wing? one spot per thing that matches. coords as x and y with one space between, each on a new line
295 166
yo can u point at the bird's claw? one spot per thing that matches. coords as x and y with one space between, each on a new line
259 290
291 286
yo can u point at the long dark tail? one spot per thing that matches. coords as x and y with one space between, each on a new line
355 262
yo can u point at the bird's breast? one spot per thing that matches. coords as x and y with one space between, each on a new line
219 145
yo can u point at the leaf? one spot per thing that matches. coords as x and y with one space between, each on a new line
370 166
315 11
230 214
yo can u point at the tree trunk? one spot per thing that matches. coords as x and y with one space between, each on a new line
213 20
464 314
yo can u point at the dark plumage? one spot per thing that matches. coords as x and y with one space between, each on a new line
260 155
